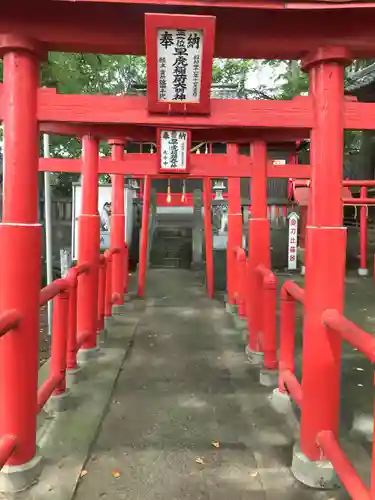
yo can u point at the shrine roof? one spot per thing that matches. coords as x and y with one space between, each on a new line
361 80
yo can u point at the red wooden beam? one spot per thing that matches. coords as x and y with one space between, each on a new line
210 165
102 109
148 134
62 113
114 27
359 115
265 4
106 110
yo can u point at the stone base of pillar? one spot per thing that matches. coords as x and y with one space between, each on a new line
280 402
231 308
362 271
101 337
14 478
268 378
197 266
73 376
58 403
118 309
363 425
245 335
254 357
108 322
86 355
318 474
240 323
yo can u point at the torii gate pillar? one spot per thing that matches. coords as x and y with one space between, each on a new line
89 248
325 260
143 247
234 223
208 237
259 249
20 264
117 234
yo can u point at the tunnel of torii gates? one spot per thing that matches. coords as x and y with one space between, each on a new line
26 110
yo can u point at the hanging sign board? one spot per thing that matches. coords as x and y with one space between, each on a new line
174 151
278 162
292 241
179 51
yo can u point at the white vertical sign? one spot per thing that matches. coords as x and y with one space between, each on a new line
179 60
173 150
292 241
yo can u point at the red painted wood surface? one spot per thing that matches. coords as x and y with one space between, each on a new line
228 113
147 134
83 26
132 110
267 4
204 165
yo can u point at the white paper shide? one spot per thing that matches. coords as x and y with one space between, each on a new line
292 241
179 60
173 150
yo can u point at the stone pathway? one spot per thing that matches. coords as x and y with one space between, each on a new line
188 419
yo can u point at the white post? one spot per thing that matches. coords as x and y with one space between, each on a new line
48 226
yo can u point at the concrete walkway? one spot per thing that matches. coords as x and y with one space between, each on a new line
188 419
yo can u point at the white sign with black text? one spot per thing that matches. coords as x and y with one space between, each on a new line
179 60
292 241
173 150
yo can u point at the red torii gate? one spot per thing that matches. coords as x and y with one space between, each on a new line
231 165
325 113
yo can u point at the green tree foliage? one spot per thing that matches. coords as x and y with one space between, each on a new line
72 73
76 73
230 71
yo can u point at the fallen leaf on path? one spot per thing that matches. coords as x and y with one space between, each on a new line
199 460
116 474
83 473
215 444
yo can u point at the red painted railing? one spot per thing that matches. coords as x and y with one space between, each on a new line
365 343
240 280
109 297
74 341
106 298
126 268
66 341
101 294
291 293
56 382
337 324
9 320
268 299
268 340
